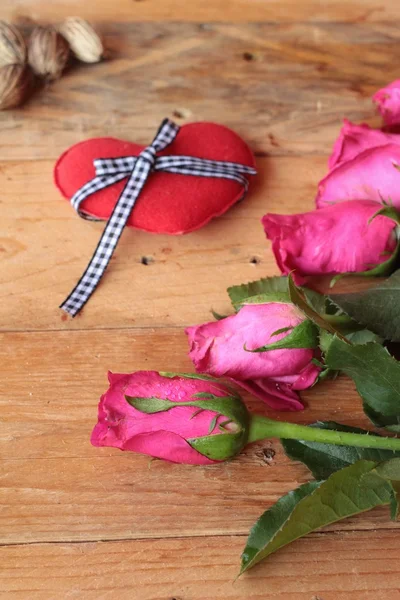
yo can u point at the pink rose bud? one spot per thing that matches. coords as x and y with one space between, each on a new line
388 103
354 139
340 238
194 419
251 348
374 174
183 418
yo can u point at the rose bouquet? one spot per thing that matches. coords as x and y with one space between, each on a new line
282 339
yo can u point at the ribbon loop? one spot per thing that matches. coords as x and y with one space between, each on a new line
137 169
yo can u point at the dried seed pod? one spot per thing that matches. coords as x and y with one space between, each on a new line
12 45
48 52
15 84
84 41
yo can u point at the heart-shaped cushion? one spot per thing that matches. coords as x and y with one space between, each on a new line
168 203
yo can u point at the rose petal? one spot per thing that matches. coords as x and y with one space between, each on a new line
317 242
162 434
217 348
354 139
276 395
387 100
371 175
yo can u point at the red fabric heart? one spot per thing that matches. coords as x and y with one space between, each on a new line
169 203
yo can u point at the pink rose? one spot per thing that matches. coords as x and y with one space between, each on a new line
354 139
218 348
334 239
140 412
388 102
374 174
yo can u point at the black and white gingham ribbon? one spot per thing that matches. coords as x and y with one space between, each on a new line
137 170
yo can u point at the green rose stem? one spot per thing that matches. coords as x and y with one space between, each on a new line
262 428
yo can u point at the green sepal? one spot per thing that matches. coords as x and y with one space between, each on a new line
217 316
229 406
215 447
388 266
304 335
221 446
151 405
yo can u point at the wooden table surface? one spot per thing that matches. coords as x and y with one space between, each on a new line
90 523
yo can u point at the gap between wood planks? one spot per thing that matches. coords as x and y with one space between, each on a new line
154 538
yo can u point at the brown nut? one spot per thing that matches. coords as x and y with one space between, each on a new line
15 84
48 52
12 45
84 41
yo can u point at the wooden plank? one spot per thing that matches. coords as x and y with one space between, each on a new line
51 383
55 486
356 565
197 10
45 247
284 88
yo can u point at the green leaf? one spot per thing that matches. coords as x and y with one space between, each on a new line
360 337
346 493
171 375
363 337
304 335
281 297
395 501
268 285
325 459
391 470
376 375
376 308
299 299
272 289
272 521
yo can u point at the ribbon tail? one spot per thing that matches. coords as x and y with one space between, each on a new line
107 244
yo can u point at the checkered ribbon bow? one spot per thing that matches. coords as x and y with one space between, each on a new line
136 169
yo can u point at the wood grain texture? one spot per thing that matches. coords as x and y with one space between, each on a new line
330 566
44 248
285 88
362 11
56 487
